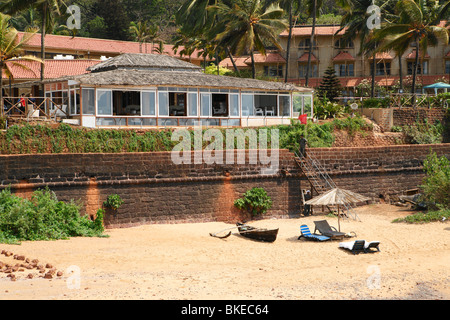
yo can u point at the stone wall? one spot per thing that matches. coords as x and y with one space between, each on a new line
153 187
156 190
410 116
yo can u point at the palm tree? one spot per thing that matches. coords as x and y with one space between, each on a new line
47 8
418 25
313 8
11 50
247 25
139 31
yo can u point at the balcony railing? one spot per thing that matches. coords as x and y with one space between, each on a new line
25 107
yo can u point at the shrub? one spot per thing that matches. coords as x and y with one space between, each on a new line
255 201
113 201
43 218
436 184
421 217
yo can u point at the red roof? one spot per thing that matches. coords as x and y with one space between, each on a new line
102 46
412 55
270 57
53 69
382 56
343 56
304 57
239 61
307 31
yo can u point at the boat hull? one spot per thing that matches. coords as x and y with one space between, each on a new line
266 235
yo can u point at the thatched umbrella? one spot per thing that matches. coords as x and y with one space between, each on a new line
337 196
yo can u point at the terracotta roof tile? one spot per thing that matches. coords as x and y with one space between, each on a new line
102 46
53 69
270 57
307 30
343 56
412 55
304 58
239 61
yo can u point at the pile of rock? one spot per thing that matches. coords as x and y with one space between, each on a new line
23 264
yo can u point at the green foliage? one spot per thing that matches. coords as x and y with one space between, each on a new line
3 123
255 201
422 217
352 125
330 87
43 218
318 135
113 201
325 109
376 103
424 133
212 69
436 184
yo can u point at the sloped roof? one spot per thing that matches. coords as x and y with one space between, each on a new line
270 57
412 55
319 31
144 61
304 58
343 56
99 46
239 61
53 68
127 77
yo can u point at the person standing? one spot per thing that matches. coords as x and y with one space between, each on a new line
303 142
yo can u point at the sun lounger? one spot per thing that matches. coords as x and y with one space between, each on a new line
358 246
325 229
305 233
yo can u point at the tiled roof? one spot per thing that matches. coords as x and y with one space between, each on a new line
304 58
343 56
270 57
382 56
412 55
53 69
307 31
239 61
102 46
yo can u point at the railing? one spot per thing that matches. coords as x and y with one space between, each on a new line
401 100
25 107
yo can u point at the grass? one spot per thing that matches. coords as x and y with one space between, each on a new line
422 217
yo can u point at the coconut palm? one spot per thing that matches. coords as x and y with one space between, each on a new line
47 8
11 50
139 31
418 25
247 25
313 8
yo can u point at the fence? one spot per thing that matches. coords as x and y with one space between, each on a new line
400 100
36 107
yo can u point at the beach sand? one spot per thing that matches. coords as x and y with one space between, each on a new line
182 261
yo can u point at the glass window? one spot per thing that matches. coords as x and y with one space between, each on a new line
234 105
205 103
148 103
192 104
163 103
104 105
312 70
88 97
307 105
247 104
447 66
297 104
284 103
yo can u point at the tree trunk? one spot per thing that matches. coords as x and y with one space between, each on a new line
308 66
253 65
44 20
400 72
288 46
232 61
416 65
1 89
374 65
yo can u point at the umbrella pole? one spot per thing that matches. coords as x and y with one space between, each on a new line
339 219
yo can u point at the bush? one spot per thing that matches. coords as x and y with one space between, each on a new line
376 103
113 201
43 218
421 217
352 125
436 184
424 133
255 201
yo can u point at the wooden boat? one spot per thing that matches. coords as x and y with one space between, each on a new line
261 234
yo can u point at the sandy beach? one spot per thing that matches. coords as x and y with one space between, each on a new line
182 261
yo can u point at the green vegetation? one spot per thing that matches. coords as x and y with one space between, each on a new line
113 201
254 201
422 133
43 217
436 191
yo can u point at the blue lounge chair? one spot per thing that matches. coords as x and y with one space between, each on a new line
305 233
